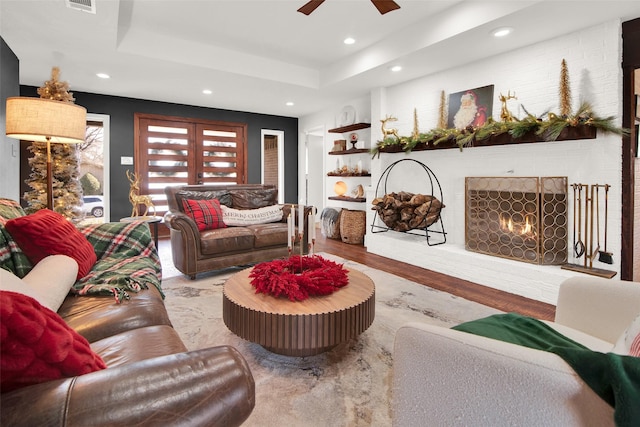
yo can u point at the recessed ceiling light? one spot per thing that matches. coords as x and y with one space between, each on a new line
396 68
289 104
207 91
502 32
349 40
103 75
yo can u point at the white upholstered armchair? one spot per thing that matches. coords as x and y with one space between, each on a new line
444 377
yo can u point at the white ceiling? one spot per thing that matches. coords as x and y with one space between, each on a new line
255 55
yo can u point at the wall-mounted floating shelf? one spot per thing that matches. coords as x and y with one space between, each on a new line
349 151
347 172
348 199
350 128
348 175
567 134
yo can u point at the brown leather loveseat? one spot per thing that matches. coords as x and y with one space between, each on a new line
151 378
196 251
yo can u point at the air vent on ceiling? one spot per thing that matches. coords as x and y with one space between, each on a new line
83 5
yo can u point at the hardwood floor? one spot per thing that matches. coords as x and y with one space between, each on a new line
472 291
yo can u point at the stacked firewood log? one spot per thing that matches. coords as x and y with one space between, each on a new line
404 211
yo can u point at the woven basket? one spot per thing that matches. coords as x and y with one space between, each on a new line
353 226
330 223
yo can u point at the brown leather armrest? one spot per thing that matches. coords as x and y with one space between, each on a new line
180 221
212 386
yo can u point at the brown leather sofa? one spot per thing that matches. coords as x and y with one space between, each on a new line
197 251
150 380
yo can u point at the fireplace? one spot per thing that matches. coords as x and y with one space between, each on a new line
519 218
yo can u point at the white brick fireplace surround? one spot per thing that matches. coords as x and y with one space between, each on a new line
593 57
579 160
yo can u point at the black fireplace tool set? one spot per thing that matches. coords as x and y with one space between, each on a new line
586 239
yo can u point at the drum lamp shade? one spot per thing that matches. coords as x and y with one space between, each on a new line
42 120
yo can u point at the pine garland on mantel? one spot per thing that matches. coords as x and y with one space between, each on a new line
547 130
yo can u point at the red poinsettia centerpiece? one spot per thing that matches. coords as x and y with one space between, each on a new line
298 277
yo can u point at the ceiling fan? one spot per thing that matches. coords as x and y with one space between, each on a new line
383 6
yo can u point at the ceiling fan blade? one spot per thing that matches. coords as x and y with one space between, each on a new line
385 6
310 6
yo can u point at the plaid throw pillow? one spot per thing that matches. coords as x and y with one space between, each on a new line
206 213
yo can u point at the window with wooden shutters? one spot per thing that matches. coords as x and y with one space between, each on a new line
177 151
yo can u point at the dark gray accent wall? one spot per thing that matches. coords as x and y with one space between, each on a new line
121 111
9 148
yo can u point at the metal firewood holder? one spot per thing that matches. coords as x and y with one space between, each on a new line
431 230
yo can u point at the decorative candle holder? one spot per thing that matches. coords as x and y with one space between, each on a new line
311 224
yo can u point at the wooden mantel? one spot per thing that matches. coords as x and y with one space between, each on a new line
569 133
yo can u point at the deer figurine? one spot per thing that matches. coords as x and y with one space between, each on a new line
505 114
137 199
388 132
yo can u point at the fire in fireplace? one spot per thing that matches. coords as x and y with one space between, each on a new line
520 218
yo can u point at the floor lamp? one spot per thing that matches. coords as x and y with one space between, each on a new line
45 120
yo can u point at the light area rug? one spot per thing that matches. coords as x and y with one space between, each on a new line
347 386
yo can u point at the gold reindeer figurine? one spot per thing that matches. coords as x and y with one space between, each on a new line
137 199
505 114
388 132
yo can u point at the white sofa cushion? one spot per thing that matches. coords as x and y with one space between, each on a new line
591 342
52 278
444 377
11 282
600 307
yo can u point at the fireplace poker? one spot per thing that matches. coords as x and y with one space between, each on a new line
606 257
595 205
575 217
579 246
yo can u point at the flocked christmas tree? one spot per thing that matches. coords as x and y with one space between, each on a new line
67 191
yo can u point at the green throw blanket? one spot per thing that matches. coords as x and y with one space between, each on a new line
615 378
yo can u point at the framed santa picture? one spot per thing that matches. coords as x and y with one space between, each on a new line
470 107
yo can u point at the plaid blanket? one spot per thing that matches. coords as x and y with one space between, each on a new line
127 260
11 256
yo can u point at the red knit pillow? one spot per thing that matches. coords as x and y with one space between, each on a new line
47 233
38 346
206 213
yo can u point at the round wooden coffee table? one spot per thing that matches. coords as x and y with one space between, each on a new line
301 328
